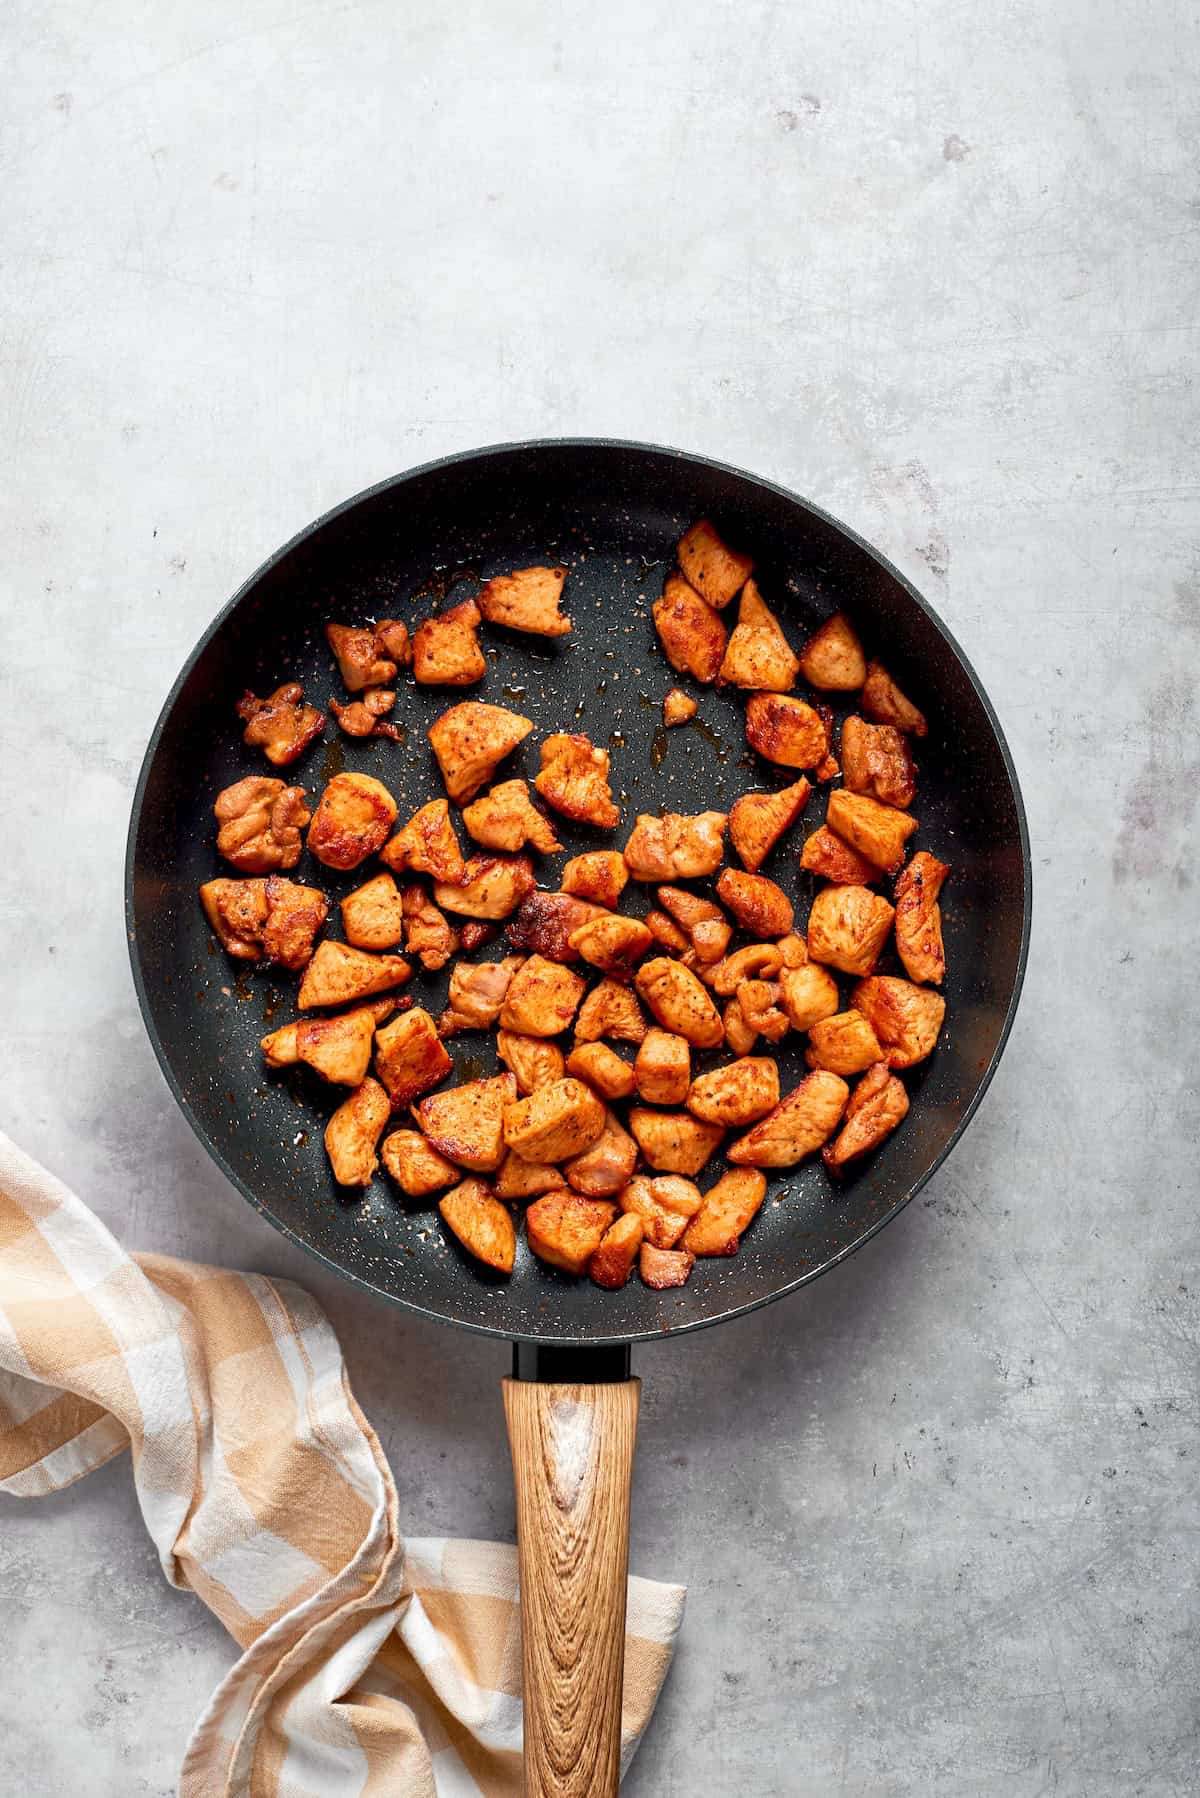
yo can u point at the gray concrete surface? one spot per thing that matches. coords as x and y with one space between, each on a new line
935 266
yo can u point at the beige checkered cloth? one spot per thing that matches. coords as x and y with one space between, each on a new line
369 1665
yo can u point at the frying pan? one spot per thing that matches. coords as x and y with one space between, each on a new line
612 512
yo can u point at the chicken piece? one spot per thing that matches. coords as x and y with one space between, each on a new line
366 717
531 1060
427 935
877 831
481 1223
409 1057
359 657
517 1179
665 1203
554 1123
416 1168
678 707
676 846
574 780
876 759
477 994
758 820
607 1166
602 1068
842 1044
281 726
740 1034
793 950
338 975
353 1131
600 875
273 920
614 945
426 845
667 934
546 923
492 886
542 998
756 961
527 600
237 915
738 1093
907 1019
470 741
351 821
662 1071
339 1049
713 569
612 1263
475 933
707 927
373 914
727 1210
827 855
692 635
466 1124
848 927
808 994
919 918
674 1142
610 1010
833 659
882 700
679 1002
759 1001
392 639
446 650
565 1229
797 1127
760 907
663 1268
506 818
758 654
876 1107
260 822
788 731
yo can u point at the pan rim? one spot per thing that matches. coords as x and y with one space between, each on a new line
623 446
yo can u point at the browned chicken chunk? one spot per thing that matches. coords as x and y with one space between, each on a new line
481 1224
877 831
473 933
417 1169
392 639
600 875
708 929
758 655
679 1002
353 1131
843 1044
339 1049
758 820
797 1127
827 855
373 914
338 975
506 818
788 731
676 846
352 820
533 1061
667 933
602 1068
876 759
527 600
713 569
427 934
662 1071
760 907
272 920
727 1211
427 844
477 993
574 780
875 1108
409 1058
919 918
466 1124
546 923
808 994
610 1010
366 717
760 1005
755 961
907 1019
565 1229
663 1268
359 656
260 822
833 659
517 1179
554 1123
692 635
674 1142
612 1263
607 1165
542 998
282 726
882 700
678 707
739 1093
491 886
848 927
665 1203
614 945
446 650
740 1034
470 741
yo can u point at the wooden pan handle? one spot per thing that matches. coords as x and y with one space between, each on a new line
572 1451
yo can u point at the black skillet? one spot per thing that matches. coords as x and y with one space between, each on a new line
612 513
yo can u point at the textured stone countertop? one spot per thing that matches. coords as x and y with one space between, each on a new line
933 266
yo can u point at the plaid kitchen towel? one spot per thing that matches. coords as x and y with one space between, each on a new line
369 1664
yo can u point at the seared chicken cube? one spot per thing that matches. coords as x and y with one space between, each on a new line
446 650
273 920
727 1210
610 1010
758 820
416 1168
474 933
614 945
506 818
665 1204
919 918
827 855
352 820
678 707
907 1019
531 1060
797 1127
237 914
477 993
674 1142
662 1071
281 726
392 639
756 961
481 1224
607 1166
491 886
357 653
366 717
339 1049
713 569
848 927
427 844
788 731
470 741
758 655
876 759
740 1034
707 927
409 1057
542 998
843 1044
679 1002
692 635
466 1124
427 935
554 1123
517 1179
760 1006
602 1068
875 1108
546 922
833 659
338 975
353 1131
574 780
793 950
808 994
373 914
565 1229
739 1093
663 1268
882 700
527 600
676 846
760 907
667 934
612 1263
260 822
600 875
877 831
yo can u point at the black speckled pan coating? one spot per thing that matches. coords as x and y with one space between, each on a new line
612 512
